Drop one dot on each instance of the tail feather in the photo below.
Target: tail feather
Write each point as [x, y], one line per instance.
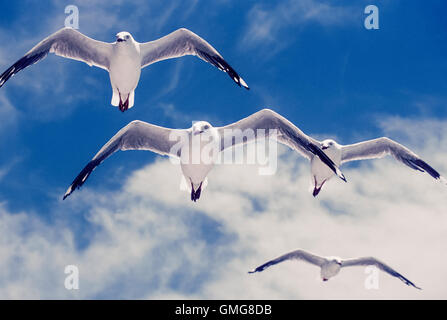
[131, 99]
[115, 99]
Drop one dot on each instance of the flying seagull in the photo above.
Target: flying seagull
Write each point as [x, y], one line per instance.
[124, 58]
[186, 144]
[340, 154]
[371, 149]
[330, 266]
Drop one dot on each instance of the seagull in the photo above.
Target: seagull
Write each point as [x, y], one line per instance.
[371, 149]
[330, 266]
[124, 58]
[202, 138]
[340, 154]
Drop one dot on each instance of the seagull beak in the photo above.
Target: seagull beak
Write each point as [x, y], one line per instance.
[119, 40]
[324, 147]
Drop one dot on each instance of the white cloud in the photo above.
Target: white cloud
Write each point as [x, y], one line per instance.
[6, 167]
[148, 240]
[174, 76]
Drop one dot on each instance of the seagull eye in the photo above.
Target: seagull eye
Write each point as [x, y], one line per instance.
[127, 37]
[206, 127]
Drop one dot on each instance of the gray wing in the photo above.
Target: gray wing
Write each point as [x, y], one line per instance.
[381, 147]
[297, 254]
[267, 121]
[137, 135]
[369, 261]
[185, 42]
[68, 43]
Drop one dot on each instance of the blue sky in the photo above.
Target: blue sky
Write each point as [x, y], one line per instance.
[336, 72]
[312, 61]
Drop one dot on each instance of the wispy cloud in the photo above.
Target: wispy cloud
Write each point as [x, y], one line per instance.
[9, 115]
[174, 80]
[267, 26]
[6, 168]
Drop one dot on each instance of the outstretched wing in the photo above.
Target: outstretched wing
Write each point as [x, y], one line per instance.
[297, 254]
[185, 42]
[267, 122]
[369, 261]
[137, 135]
[68, 43]
[381, 147]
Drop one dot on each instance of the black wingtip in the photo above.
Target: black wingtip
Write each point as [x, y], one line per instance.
[245, 87]
[81, 178]
[411, 284]
[421, 165]
[69, 191]
[255, 270]
[240, 81]
[406, 281]
[222, 65]
[259, 269]
[20, 65]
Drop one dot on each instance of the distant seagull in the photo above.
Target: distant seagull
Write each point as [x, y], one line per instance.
[124, 58]
[182, 143]
[330, 266]
[371, 149]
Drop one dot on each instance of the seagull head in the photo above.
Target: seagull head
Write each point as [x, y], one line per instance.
[329, 144]
[123, 36]
[200, 127]
[336, 260]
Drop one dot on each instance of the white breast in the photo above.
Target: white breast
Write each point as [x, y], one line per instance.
[125, 68]
[330, 269]
[199, 156]
[320, 170]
